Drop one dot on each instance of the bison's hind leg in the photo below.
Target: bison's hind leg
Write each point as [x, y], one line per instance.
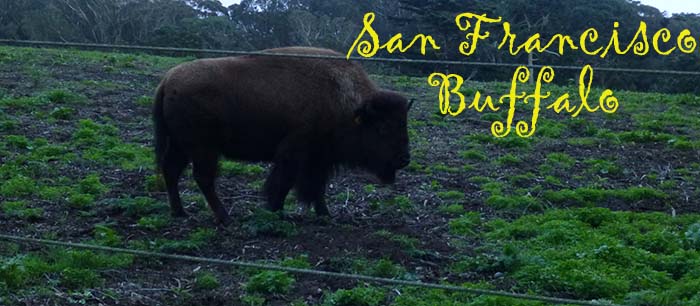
[204, 169]
[174, 162]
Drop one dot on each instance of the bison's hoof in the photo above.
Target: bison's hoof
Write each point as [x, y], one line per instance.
[322, 211]
[224, 220]
[324, 220]
[178, 214]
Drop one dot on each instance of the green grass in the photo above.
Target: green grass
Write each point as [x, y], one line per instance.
[154, 222]
[69, 269]
[358, 296]
[519, 203]
[81, 200]
[236, 168]
[593, 197]
[299, 262]
[18, 186]
[155, 183]
[440, 167]
[603, 167]
[139, 206]
[193, 242]
[60, 96]
[451, 195]
[383, 267]
[453, 209]
[100, 144]
[62, 113]
[473, 155]
[466, 225]
[408, 244]
[560, 161]
[509, 160]
[429, 297]
[511, 141]
[398, 203]
[144, 101]
[598, 254]
[206, 281]
[20, 209]
[92, 185]
[270, 282]
[22, 103]
[105, 235]
[266, 223]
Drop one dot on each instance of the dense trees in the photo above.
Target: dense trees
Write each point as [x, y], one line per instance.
[258, 24]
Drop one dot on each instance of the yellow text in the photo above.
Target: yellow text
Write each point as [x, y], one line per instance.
[451, 84]
[369, 47]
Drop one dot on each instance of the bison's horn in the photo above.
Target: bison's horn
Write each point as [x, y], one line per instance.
[410, 104]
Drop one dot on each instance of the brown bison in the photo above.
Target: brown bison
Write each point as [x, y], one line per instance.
[307, 116]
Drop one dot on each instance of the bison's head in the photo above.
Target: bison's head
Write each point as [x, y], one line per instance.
[382, 135]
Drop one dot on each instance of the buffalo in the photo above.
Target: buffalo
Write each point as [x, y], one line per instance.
[307, 115]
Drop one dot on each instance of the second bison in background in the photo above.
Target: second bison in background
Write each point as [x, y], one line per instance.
[306, 115]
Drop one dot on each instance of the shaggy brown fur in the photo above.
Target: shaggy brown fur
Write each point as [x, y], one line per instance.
[305, 115]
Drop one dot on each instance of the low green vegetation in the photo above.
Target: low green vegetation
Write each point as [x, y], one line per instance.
[264, 222]
[20, 209]
[235, 168]
[592, 197]
[465, 225]
[206, 281]
[594, 253]
[270, 282]
[358, 296]
[71, 269]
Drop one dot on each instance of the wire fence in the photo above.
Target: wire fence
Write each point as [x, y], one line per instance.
[355, 58]
[356, 277]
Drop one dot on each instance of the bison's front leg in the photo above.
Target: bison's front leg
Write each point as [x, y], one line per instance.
[278, 184]
[311, 186]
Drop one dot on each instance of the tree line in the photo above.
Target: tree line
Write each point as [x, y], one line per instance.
[260, 24]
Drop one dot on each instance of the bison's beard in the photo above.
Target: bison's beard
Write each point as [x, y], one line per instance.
[385, 173]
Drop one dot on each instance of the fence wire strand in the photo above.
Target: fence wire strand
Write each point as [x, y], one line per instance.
[355, 58]
[244, 264]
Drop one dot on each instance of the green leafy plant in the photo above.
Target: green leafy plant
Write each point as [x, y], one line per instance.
[264, 222]
[465, 225]
[206, 281]
[270, 282]
[358, 296]
[19, 209]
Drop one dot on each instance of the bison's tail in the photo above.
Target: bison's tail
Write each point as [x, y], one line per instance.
[162, 139]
